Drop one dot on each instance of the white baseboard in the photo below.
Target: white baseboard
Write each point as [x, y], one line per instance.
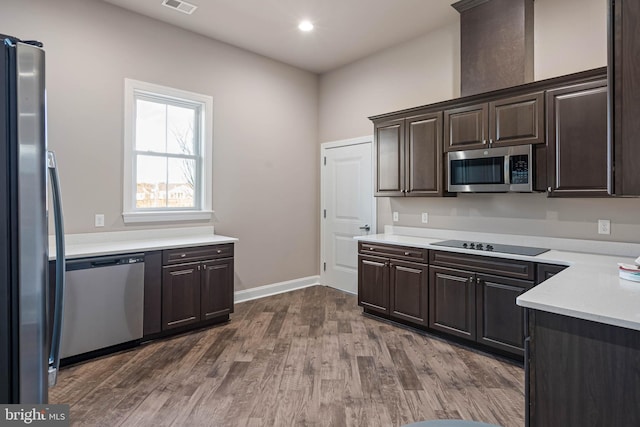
[275, 288]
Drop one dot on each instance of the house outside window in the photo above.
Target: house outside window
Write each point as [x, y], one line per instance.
[167, 154]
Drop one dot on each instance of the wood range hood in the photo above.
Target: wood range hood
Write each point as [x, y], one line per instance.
[496, 44]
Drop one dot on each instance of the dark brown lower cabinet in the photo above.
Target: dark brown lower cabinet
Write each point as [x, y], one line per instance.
[478, 307]
[468, 296]
[581, 373]
[216, 288]
[180, 295]
[197, 285]
[395, 288]
[468, 303]
[499, 321]
[408, 287]
[452, 306]
[373, 284]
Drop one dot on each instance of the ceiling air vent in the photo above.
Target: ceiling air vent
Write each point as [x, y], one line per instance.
[180, 6]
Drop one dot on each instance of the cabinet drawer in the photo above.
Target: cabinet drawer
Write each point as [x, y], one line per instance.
[484, 264]
[201, 253]
[391, 251]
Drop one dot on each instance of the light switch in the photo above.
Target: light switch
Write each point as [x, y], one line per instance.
[396, 217]
[425, 217]
[99, 220]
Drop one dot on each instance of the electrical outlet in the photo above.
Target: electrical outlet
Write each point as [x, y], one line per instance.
[99, 220]
[396, 217]
[604, 226]
[425, 218]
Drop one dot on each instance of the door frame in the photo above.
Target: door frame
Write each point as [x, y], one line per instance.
[374, 221]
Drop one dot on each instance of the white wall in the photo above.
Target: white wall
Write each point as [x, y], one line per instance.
[265, 169]
[422, 71]
[570, 36]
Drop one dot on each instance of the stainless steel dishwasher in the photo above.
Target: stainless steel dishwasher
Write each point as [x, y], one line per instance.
[103, 303]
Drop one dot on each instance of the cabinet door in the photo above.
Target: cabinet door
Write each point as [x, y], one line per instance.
[624, 46]
[545, 271]
[389, 152]
[409, 296]
[465, 128]
[500, 322]
[424, 155]
[577, 138]
[216, 288]
[373, 283]
[452, 307]
[517, 120]
[180, 295]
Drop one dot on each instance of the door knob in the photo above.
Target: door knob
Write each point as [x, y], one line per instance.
[365, 227]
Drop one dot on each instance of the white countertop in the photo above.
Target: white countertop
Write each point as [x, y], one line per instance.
[121, 242]
[588, 289]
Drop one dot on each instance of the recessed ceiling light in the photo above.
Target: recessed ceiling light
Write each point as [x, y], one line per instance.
[305, 26]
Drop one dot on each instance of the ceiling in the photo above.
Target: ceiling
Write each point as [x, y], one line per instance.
[345, 30]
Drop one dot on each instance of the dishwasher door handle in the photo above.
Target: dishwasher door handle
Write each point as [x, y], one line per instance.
[105, 263]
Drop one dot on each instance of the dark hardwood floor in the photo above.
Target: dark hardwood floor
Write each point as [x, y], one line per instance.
[303, 358]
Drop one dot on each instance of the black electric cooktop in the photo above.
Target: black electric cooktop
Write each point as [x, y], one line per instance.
[492, 247]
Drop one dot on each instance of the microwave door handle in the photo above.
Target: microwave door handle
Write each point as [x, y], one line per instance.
[507, 168]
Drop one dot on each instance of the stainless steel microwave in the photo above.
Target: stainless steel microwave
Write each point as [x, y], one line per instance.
[491, 170]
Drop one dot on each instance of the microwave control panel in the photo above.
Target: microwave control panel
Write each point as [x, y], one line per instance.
[519, 168]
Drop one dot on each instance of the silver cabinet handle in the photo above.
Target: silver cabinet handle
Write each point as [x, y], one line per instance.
[219, 251]
[183, 255]
[407, 253]
[549, 189]
[366, 228]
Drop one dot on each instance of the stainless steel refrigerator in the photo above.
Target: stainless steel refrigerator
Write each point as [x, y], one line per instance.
[30, 312]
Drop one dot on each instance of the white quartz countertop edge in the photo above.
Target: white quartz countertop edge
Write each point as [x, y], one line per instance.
[99, 244]
[588, 289]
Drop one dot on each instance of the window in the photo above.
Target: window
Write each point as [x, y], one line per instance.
[167, 154]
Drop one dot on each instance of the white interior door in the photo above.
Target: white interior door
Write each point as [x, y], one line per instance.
[348, 209]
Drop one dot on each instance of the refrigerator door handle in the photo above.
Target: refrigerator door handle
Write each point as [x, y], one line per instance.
[54, 354]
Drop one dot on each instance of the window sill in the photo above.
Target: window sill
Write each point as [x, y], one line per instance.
[140, 217]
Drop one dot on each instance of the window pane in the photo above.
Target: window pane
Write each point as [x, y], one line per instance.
[182, 179]
[151, 188]
[180, 126]
[151, 118]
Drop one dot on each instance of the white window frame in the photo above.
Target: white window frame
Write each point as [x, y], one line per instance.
[130, 213]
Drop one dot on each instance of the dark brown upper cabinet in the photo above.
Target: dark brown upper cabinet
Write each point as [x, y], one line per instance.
[624, 63]
[409, 156]
[577, 163]
[466, 127]
[514, 120]
[390, 147]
